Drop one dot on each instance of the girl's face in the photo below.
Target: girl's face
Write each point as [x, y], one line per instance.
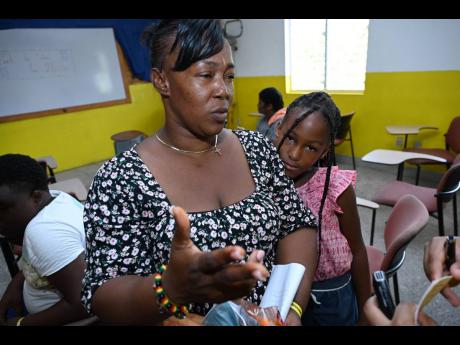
[305, 144]
[199, 97]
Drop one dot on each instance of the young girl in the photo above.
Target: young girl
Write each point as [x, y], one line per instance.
[304, 139]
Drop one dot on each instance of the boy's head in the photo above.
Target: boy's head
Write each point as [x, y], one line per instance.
[270, 101]
[307, 132]
[23, 193]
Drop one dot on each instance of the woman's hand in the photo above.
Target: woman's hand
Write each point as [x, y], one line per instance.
[434, 265]
[404, 315]
[194, 276]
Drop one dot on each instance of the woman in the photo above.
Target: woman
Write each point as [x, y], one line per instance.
[231, 184]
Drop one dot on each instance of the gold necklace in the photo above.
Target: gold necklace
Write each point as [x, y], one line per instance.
[214, 148]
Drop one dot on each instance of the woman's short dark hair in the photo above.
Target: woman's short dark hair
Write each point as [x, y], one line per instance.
[272, 96]
[22, 173]
[197, 39]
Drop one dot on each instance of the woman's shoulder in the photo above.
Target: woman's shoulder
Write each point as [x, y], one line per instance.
[254, 140]
[125, 163]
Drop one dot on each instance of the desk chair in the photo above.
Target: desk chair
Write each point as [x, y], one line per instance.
[72, 186]
[123, 141]
[433, 198]
[372, 206]
[452, 147]
[343, 131]
[408, 217]
[48, 163]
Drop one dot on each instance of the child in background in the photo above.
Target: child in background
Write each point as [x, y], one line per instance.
[341, 284]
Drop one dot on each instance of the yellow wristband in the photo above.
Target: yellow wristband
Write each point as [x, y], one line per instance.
[297, 308]
[18, 323]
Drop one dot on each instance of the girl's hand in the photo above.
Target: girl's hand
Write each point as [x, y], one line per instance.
[292, 319]
[434, 265]
[194, 276]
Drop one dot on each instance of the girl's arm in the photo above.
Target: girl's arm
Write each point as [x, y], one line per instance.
[351, 229]
[300, 247]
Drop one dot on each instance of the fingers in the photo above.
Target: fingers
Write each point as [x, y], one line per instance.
[240, 272]
[211, 262]
[374, 314]
[450, 295]
[181, 237]
[425, 320]
[257, 256]
[434, 257]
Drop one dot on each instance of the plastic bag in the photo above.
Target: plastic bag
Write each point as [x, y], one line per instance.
[243, 314]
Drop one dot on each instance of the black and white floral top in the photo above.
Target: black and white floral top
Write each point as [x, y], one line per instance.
[129, 227]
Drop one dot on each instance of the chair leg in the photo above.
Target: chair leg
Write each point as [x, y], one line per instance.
[372, 227]
[440, 217]
[417, 177]
[352, 150]
[396, 289]
[454, 203]
[400, 174]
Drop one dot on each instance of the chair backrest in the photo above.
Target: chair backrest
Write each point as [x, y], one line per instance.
[450, 181]
[344, 126]
[408, 217]
[453, 135]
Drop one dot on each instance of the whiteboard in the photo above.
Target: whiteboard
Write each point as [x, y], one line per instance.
[43, 69]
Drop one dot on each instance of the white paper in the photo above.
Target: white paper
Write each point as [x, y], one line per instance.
[282, 287]
[435, 287]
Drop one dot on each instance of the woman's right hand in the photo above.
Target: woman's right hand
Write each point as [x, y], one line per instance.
[434, 262]
[194, 276]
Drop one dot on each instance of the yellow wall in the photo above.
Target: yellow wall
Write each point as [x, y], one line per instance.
[79, 138]
[396, 98]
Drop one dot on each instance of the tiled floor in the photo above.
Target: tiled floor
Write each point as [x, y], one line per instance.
[412, 280]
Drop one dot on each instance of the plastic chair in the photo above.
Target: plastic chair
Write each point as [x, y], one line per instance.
[123, 141]
[433, 198]
[343, 131]
[372, 206]
[408, 217]
[452, 143]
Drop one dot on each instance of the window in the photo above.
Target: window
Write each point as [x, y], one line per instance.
[326, 54]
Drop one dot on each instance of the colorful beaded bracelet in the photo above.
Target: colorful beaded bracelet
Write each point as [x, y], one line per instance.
[179, 311]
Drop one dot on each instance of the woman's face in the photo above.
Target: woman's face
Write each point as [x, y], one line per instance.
[305, 144]
[199, 97]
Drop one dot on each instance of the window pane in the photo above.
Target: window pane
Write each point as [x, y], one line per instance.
[346, 54]
[307, 54]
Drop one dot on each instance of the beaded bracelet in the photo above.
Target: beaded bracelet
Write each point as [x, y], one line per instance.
[179, 311]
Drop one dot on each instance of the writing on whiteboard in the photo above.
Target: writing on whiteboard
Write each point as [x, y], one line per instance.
[33, 64]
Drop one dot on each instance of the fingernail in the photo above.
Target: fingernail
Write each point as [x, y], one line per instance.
[171, 210]
[236, 255]
[258, 275]
[260, 255]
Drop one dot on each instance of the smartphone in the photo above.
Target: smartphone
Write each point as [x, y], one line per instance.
[383, 293]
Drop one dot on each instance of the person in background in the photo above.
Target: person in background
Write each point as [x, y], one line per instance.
[49, 226]
[435, 268]
[271, 105]
[341, 284]
[236, 213]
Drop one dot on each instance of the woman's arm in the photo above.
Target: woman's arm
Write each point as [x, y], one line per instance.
[351, 229]
[192, 277]
[300, 247]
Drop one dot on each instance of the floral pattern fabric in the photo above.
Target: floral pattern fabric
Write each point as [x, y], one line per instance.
[129, 228]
